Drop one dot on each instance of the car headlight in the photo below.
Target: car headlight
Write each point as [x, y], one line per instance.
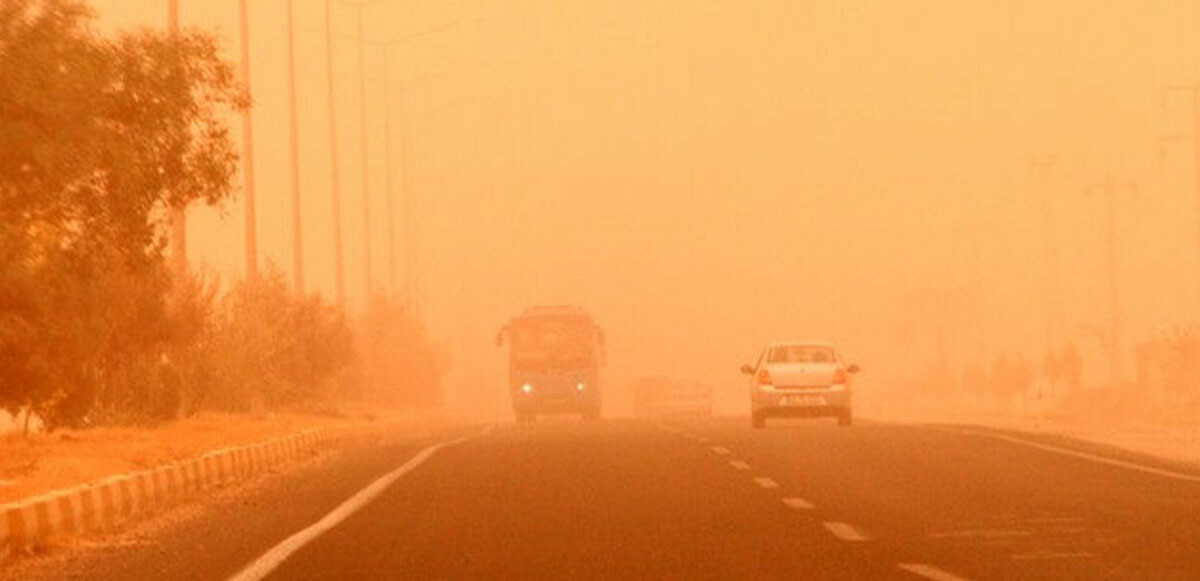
[579, 386]
[527, 388]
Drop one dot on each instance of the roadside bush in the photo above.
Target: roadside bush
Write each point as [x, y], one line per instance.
[269, 348]
[398, 363]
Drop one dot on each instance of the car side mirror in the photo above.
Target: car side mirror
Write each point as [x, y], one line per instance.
[747, 370]
[853, 368]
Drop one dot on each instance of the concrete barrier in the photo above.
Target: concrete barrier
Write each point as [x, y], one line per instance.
[30, 523]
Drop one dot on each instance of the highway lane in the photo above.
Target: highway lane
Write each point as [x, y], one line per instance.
[694, 499]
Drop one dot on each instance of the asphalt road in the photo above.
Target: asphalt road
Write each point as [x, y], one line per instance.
[711, 499]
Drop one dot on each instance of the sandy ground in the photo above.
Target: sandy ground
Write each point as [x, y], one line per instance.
[67, 458]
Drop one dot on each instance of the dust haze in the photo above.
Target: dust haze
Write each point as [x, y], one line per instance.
[706, 177]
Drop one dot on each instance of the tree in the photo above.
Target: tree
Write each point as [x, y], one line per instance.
[102, 138]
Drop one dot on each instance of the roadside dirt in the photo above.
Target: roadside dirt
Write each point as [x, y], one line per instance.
[46, 462]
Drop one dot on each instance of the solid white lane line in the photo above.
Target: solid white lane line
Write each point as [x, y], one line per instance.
[1082, 455]
[765, 482]
[271, 560]
[845, 532]
[720, 450]
[740, 465]
[929, 572]
[798, 503]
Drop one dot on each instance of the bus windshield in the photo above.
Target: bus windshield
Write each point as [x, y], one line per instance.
[547, 343]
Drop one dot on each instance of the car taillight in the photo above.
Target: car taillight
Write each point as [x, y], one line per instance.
[763, 377]
[839, 376]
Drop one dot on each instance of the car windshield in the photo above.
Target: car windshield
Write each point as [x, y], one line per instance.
[801, 354]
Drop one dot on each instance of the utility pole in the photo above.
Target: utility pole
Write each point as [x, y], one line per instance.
[178, 215]
[1116, 356]
[359, 6]
[1042, 164]
[294, 150]
[387, 164]
[366, 181]
[248, 148]
[1194, 136]
[334, 167]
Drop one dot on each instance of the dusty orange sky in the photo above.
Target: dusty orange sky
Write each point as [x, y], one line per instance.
[709, 176]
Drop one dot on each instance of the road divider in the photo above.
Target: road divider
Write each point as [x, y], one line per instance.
[31, 523]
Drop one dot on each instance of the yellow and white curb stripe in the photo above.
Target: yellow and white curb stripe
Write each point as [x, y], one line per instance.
[29, 523]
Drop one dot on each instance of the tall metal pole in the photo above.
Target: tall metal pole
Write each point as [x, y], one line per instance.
[335, 188]
[1041, 166]
[387, 164]
[1194, 137]
[1114, 333]
[248, 149]
[1116, 356]
[294, 147]
[406, 209]
[366, 184]
[178, 215]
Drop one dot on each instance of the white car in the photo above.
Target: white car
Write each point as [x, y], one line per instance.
[800, 379]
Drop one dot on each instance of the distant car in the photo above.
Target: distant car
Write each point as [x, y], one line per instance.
[661, 398]
[800, 379]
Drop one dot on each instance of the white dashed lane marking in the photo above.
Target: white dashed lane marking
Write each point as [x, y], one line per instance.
[740, 465]
[720, 450]
[930, 572]
[798, 503]
[1045, 555]
[845, 532]
[765, 482]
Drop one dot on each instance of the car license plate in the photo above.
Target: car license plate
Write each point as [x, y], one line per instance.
[803, 400]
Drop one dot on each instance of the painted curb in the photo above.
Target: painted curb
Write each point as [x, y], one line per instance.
[105, 504]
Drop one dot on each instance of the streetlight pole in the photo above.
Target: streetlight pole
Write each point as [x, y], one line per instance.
[1116, 359]
[334, 166]
[362, 91]
[1042, 164]
[294, 150]
[387, 165]
[1194, 136]
[366, 181]
[248, 148]
[178, 215]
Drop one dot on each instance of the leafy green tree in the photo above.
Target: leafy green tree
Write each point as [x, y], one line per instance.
[102, 138]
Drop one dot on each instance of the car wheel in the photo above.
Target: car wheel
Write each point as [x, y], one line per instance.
[758, 420]
[845, 417]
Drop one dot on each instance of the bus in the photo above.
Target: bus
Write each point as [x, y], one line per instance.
[554, 358]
